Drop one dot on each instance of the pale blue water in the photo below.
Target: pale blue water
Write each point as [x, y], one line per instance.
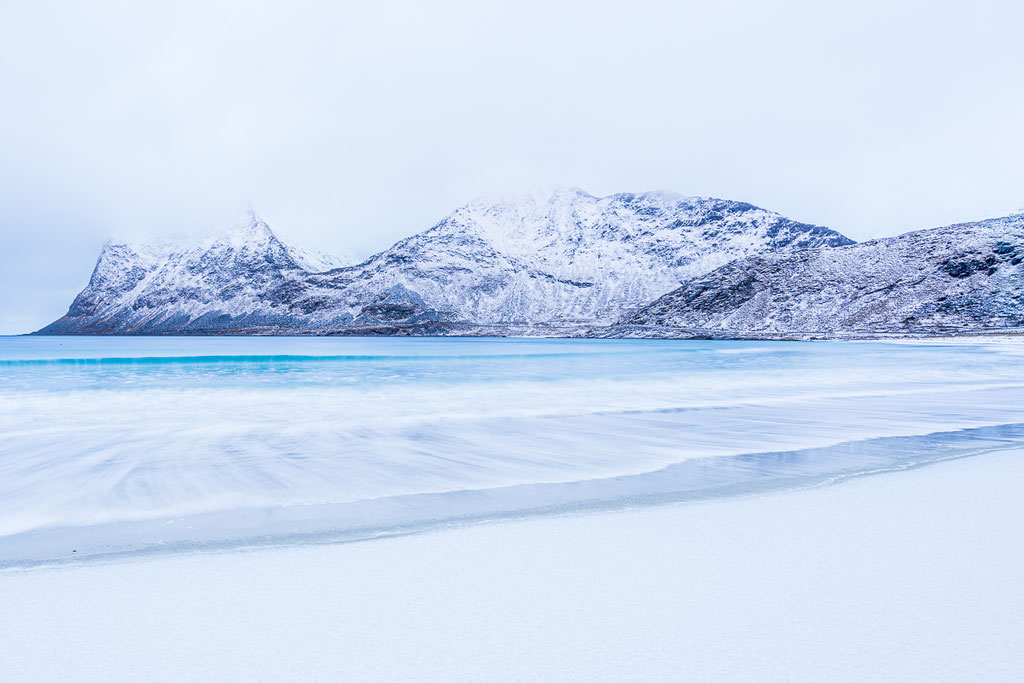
[114, 445]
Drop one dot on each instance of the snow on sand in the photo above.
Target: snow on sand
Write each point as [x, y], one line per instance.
[907, 576]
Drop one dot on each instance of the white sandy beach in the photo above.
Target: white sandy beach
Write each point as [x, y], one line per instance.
[913, 575]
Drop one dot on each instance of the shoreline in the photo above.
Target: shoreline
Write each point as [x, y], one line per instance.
[691, 480]
[902, 576]
[1009, 335]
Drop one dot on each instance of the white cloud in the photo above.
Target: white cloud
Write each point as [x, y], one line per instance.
[351, 125]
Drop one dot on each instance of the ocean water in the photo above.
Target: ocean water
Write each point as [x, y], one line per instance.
[112, 446]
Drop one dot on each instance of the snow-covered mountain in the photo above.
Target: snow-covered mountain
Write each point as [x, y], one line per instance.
[163, 287]
[566, 257]
[965, 276]
[558, 257]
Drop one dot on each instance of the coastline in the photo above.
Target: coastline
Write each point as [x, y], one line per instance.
[901, 576]
[441, 330]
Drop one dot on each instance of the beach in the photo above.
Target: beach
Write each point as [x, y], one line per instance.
[912, 575]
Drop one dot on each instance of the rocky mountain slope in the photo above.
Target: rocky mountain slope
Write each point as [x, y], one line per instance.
[159, 288]
[965, 276]
[560, 257]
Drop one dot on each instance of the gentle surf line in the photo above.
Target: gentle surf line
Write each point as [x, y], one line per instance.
[692, 480]
[293, 358]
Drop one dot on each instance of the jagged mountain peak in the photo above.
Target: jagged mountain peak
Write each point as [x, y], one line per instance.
[151, 249]
[253, 233]
[234, 263]
[564, 255]
[550, 219]
[548, 200]
[256, 234]
[559, 203]
[253, 240]
[553, 256]
[542, 196]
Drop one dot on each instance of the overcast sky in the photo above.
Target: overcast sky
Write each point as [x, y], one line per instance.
[350, 125]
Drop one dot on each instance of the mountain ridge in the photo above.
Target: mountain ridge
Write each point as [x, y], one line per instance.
[554, 257]
[965, 276]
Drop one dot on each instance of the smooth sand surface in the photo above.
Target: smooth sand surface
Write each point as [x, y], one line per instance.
[916, 575]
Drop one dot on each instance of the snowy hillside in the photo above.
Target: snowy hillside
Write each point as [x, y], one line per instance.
[564, 256]
[160, 288]
[965, 276]
[558, 257]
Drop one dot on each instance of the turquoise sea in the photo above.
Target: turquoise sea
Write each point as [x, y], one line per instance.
[115, 445]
